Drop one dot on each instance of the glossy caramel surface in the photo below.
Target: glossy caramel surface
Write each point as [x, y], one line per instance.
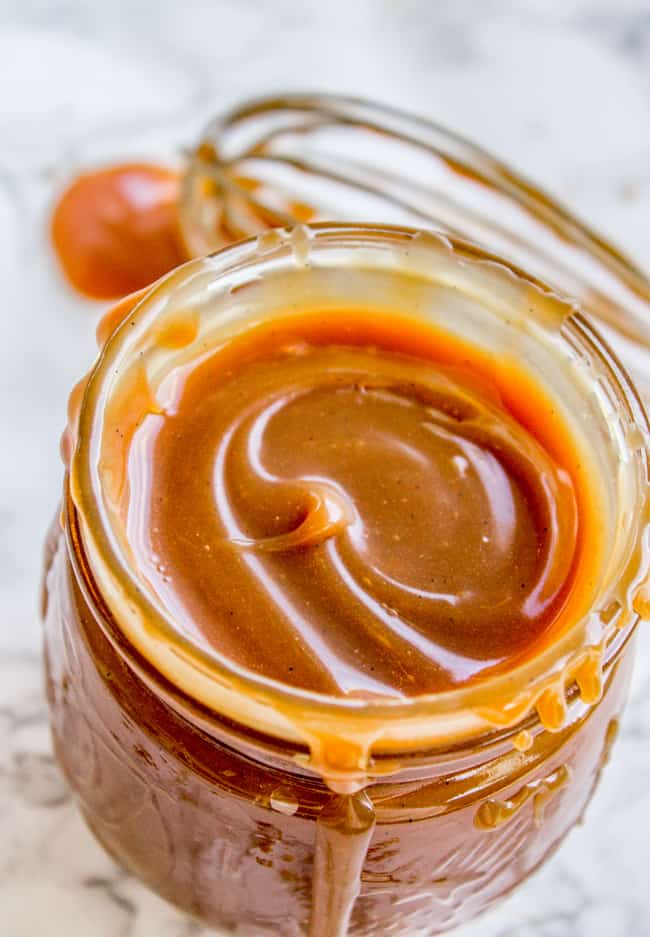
[356, 505]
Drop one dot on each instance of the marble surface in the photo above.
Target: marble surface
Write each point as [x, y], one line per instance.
[561, 88]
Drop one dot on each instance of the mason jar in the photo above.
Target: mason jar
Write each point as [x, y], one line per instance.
[273, 810]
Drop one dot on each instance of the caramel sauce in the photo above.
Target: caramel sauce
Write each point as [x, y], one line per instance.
[115, 230]
[343, 833]
[298, 497]
[354, 505]
[523, 741]
[494, 813]
[358, 505]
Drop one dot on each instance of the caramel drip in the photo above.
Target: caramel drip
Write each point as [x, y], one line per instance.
[300, 239]
[133, 401]
[611, 735]
[180, 332]
[269, 241]
[552, 708]
[494, 813]
[343, 833]
[589, 676]
[642, 601]
[585, 669]
[107, 325]
[116, 315]
[69, 435]
[523, 741]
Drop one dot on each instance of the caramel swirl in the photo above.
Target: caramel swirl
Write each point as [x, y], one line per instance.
[350, 518]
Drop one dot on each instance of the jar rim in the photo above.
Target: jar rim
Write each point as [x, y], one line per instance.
[361, 722]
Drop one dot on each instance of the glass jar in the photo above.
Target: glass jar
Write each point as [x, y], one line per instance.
[276, 811]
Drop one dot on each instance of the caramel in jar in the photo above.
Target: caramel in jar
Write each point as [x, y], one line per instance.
[336, 633]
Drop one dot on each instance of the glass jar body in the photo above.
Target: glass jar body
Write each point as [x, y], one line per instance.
[231, 837]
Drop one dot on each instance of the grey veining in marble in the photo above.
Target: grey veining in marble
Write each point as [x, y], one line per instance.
[560, 88]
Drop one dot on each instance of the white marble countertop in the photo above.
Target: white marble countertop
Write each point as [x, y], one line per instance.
[561, 88]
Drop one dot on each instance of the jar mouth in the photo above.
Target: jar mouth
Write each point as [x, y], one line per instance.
[214, 287]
